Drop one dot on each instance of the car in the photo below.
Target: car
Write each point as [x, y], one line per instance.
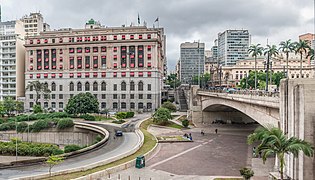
[118, 133]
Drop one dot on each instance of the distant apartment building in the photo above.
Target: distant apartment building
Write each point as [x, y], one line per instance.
[232, 46]
[34, 24]
[11, 59]
[121, 66]
[192, 59]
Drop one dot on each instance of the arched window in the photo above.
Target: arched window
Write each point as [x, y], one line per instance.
[103, 105]
[140, 86]
[53, 86]
[79, 86]
[123, 86]
[132, 86]
[132, 105]
[140, 105]
[95, 86]
[71, 87]
[87, 86]
[115, 105]
[103, 86]
[123, 105]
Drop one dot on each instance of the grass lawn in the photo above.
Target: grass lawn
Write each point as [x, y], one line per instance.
[102, 118]
[174, 125]
[149, 143]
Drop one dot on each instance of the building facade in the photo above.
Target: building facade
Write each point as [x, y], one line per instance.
[34, 24]
[233, 46]
[232, 75]
[122, 67]
[310, 38]
[11, 58]
[192, 59]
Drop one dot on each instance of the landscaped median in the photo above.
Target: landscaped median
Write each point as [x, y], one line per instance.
[148, 148]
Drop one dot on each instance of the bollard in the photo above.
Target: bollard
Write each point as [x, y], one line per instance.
[108, 176]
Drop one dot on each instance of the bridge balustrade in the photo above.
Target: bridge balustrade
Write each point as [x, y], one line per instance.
[243, 92]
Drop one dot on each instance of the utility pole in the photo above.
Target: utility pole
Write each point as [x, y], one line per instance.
[267, 69]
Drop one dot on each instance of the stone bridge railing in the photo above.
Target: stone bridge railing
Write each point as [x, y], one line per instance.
[245, 92]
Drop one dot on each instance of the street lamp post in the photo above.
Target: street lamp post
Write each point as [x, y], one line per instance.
[220, 70]
[267, 70]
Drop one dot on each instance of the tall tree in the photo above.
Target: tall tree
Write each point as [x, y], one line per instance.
[301, 47]
[270, 51]
[274, 141]
[310, 54]
[173, 81]
[40, 88]
[287, 47]
[255, 50]
[82, 103]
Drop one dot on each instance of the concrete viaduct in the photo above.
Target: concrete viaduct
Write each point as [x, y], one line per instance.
[292, 110]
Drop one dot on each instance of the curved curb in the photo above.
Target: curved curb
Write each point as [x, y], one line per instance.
[90, 127]
[125, 165]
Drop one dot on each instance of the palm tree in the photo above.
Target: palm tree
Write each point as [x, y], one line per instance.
[255, 50]
[40, 88]
[287, 47]
[310, 54]
[273, 141]
[301, 47]
[270, 51]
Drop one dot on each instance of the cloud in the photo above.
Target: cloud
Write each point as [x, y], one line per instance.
[184, 20]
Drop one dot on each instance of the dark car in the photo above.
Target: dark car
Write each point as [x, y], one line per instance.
[118, 133]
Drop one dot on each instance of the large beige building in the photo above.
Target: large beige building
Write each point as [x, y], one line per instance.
[34, 24]
[122, 66]
[232, 75]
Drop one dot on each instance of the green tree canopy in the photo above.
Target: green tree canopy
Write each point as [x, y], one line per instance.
[161, 116]
[82, 103]
[9, 105]
[274, 141]
[170, 106]
[204, 79]
[172, 80]
[261, 79]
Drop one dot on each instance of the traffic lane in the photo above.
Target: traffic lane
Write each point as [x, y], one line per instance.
[113, 147]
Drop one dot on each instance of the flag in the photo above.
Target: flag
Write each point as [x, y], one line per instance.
[157, 19]
[138, 19]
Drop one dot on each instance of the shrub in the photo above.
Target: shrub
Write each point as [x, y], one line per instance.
[247, 173]
[40, 125]
[185, 123]
[121, 115]
[22, 127]
[170, 106]
[130, 114]
[37, 109]
[65, 123]
[58, 115]
[98, 138]
[161, 116]
[71, 148]
[7, 126]
[87, 117]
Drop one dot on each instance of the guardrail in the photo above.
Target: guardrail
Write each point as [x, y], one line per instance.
[244, 92]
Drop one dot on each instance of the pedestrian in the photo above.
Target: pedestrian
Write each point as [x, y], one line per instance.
[254, 151]
[190, 137]
[216, 131]
[202, 133]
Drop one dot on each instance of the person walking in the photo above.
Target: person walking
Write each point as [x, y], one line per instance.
[216, 131]
[202, 133]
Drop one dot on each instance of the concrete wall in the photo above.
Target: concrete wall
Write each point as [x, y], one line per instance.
[237, 117]
[298, 119]
[82, 138]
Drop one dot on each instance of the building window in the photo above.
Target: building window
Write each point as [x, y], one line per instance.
[95, 95]
[45, 104]
[140, 105]
[53, 96]
[103, 96]
[87, 61]
[149, 87]
[31, 104]
[123, 86]
[123, 96]
[140, 86]
[140, 96]
[132, 86]
[71, 87]
[61, 105]
[103, 49]
[103, 105]
[60, 96]
[53, 86]
[79, 86]
[87, 86]
[31, 96]
[115, 87]
[53, 104]
[115, 105]
[115, 96]
[132, 105]
[148, 96]
[60, 88]
[149, 105]
[71, 95]
[103, 86]
[95, 86]
[132, 96]
[95, 49]
[123, 105]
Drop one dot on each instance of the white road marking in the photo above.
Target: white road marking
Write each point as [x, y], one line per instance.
[179, 154]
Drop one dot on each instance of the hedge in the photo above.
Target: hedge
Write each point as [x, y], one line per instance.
[29, 149]
[124, 115]
[22, 127]
[88, 117]
[65, 123]
[7, 126]
[71, 148]
[38, 116]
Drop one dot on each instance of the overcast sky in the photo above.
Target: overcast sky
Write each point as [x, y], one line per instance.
[183, 20]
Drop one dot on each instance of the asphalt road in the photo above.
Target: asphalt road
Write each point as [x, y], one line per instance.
[113, 147]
